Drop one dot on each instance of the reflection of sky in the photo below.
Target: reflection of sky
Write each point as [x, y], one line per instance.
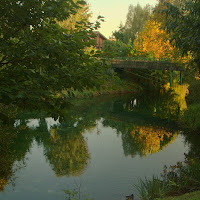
[114, 12]
[34, 123]
[51, 122]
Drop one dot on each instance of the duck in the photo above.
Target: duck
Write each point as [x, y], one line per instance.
[130, 197]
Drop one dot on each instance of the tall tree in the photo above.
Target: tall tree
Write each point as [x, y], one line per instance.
[183, 25]
[135, 21]
[38, 57]
[154, 41]
[82, 14]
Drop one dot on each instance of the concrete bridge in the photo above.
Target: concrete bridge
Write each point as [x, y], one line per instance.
[149, 64]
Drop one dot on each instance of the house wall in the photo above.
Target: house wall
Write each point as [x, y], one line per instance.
[99, 41]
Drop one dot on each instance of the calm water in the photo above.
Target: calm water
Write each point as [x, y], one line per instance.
[102, 150]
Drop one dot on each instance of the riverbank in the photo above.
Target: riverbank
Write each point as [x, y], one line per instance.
[183, 177]
[187, 196]
[110, 87]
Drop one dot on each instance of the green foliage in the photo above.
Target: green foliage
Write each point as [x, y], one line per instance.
[183, 23]
[183, 177]
[38, 57]
[82, 14]
[75, 195]
[135, 21]
[113, 49]
[7, 113]
[194, 94]
[176, 180]
[187, 196]
[151, 189]
[191, 116]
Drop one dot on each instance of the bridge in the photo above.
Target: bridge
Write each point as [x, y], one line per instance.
[147, 63]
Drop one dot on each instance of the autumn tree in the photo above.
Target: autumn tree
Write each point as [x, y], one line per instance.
[183, 25]
[154, 41]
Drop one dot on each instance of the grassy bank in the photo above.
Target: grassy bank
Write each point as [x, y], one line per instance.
[112, 86]
[187, 196]
[175, 181]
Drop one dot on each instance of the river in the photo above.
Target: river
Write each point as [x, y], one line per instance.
[102, 150]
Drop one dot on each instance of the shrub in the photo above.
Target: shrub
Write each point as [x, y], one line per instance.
[151, 189]
[191, 117]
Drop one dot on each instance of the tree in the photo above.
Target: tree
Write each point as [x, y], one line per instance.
[154, 41]
[82, 14]
[183, 25]
[121, 33]
[39, 58]
[135, 20]
[117, 49]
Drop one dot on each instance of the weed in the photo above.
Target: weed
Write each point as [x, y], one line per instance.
[151, 189]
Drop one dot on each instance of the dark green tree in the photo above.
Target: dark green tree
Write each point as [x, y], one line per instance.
[39, 58]
[121, 34]
[182, 21]
[117, 49]
[82, 13]
[135, 20]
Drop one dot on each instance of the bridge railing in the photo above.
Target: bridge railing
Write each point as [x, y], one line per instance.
[162, 64]
[142, 59]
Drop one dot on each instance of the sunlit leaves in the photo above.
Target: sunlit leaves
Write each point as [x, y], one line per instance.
[154, 41]
[183, 22]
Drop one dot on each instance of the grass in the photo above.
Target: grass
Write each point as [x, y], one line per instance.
[187, 196]
[151, 188]
[175, 180]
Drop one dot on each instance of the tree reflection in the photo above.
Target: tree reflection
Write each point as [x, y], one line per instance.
[14, 144]
[6, 162]
[152, 139]
[142, 122]
[67, 153]
[147, 123]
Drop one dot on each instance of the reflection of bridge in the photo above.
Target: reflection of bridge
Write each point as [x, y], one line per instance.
[160, 64]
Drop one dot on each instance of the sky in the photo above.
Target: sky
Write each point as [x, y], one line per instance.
[114, 12]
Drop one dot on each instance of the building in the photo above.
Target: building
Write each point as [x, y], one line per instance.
[100, 38]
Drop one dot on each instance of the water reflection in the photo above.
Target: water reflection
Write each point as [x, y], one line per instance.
[145, 123]
[13, 148]
[152, 139]
[67, 153]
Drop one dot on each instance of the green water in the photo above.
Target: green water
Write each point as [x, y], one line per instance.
[102, 149]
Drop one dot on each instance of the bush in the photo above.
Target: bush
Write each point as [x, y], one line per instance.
[151, 189]
[175, 180]
[191, 117]
[194, 94]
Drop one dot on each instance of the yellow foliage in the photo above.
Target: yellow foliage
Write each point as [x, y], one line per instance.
[82, 13]
[68, 154]
[154, 41]
[3, 182]
[181, 92]
[149, 138]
